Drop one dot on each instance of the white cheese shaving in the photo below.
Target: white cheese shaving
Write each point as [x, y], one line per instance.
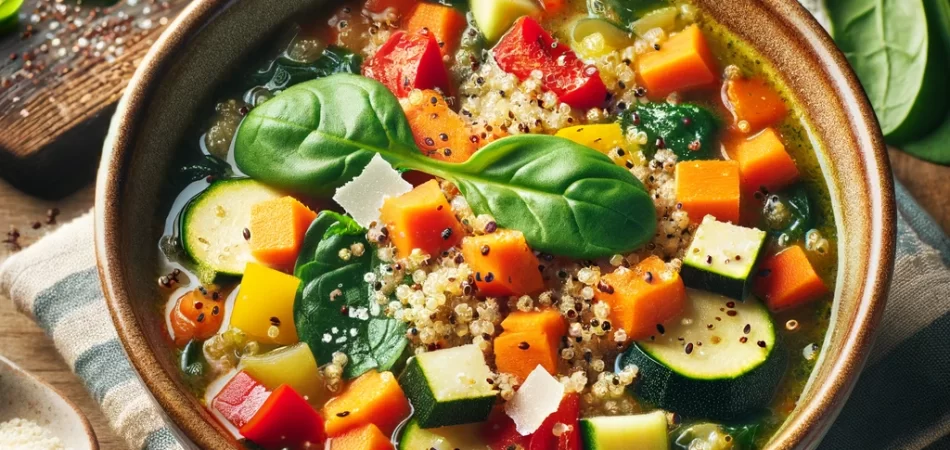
[536, 399]
[364, 195]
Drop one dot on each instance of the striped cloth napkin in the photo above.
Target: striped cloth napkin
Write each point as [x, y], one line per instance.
[902, 400]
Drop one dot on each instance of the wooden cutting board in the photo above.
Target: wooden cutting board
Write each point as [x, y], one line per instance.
[61, 74]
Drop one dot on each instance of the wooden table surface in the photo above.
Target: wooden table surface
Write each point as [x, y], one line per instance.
[27, 345]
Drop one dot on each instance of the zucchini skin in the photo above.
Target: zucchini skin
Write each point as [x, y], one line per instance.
[429, 413]
[716, 399]
[713, 282]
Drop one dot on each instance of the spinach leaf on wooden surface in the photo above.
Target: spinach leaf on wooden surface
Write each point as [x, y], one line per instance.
[566, 198]
[934, 147]
[890, 50]
[335, 309]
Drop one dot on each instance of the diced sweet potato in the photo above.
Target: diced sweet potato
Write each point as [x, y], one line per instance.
[787, 280]
[547, 320]
[366, 437]
[423, 219]
[764, 163]
[754, 101]
[642, 297]
[709, 187]
[438, 131]
[518, 353]
[444, 22]
[373, 398]
[277, 230]
[503, 264]
[684, 62]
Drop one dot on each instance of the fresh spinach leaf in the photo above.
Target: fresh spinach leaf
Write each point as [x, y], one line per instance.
[934, 147]
[688, 130]
[888, 45]
[335, 309]
[566, 198]
[283, 72]
[789, 213]
[318, 135]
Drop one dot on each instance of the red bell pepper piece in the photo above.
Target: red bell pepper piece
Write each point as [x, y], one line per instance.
[285, 420]
[527, 47]
[409, 61]
[240, 399]
[567, 413]
[502, 432]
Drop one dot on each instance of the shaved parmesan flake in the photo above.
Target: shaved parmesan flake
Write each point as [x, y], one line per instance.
[364, 196]
[535, 400]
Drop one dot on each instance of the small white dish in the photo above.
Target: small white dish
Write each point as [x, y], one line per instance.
[25, 396]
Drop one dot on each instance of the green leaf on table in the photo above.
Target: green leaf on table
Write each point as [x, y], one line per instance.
[566, 198]
[934, 147]
[893, 56]
[335, 309]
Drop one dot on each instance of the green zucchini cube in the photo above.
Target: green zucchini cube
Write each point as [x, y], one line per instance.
[721, 258]
[449, 387]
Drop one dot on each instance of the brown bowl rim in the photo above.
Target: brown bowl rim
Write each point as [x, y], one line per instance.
[804, 430]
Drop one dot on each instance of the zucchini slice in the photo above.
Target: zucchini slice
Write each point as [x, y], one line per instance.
[449, 387]
[721, 257]
[213, 224]
[722, 360]
[458, 437]
[640, 431]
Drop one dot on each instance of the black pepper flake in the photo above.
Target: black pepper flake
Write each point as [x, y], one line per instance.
[447, 152]
[761, 344]
[486, 249]
[730, 304]
[490, 277]
[605, 325]
[429, 141]
[731, 313]
[201, 317]
[414, 331]
[689, 348]
[524, 345]
[446, 234]
[478, 276]
[588, 356]
[747, 329]
[215, 311]
[743, 339]
[342, 413]
[648, 277]
[444, 137]
[275, 321]
[490, 227]
[708, 259]
[660, 328]
[247, 234]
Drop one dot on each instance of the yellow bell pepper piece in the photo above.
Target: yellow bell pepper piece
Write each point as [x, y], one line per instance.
[264, 308]
[294, 366]
[607, 138]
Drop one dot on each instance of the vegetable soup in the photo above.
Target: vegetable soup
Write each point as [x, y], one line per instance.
[504, 224]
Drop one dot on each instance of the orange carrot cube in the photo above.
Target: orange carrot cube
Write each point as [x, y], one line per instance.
[445, 22]
[754, 101]
[519, 353]
[421, 218]
[439, 132]
[277, 230]
[764, 163]
[366, 437]
[709, 187]
[642, 297]
[373, 398]
[787, 279]
[684, 62]
[547, 320]
[503, 264]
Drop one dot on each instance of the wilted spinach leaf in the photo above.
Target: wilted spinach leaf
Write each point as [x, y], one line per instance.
[208, 166]
[192, 360]
[688, 130]
[626, 11]
[284, 72]
[789, 212]
[335, 310]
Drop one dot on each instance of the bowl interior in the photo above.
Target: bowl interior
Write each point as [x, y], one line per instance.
[200, 49]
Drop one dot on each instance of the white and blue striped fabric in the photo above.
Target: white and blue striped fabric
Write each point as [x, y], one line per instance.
[902, 400]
